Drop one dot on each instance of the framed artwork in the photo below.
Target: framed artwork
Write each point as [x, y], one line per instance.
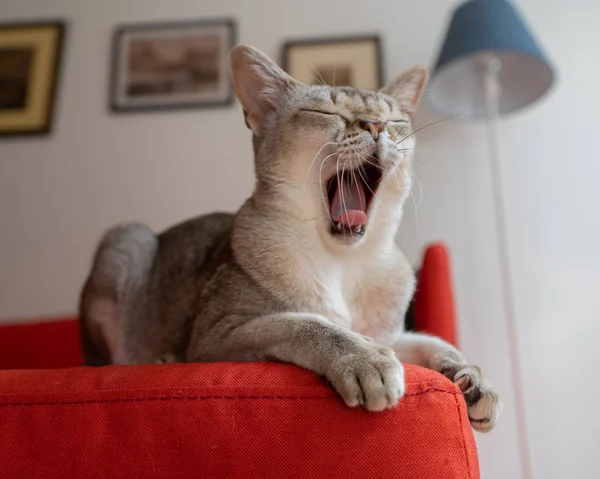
[30, 55]
[352, 61]
[171, 65]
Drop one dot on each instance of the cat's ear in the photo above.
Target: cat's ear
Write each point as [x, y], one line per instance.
[259, 83]
[408, 88]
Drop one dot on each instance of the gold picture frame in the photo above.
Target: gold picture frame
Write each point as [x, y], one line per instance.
[173, 65]
[30, 56]
[347, 61]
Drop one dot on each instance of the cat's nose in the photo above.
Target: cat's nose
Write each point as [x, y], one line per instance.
[373, 127]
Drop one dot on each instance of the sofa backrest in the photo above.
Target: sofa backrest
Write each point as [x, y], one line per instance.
[44, 345]
[56, 343]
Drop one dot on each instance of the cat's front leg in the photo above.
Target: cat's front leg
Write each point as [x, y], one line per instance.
[483, 403]
[363, 372]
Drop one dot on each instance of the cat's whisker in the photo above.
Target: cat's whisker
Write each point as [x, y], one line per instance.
[341, 191]
[371, 163]
[375, 197]
[320, 78]
[426, 126]
[394, 175]
[320, 179]
[409, 122]
[414, 174]
[325, 203]
[355, 179]
[364, 159]
[361, 228]
[344, 209]
[315, 159]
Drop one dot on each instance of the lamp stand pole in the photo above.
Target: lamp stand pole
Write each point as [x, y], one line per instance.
[493, 91]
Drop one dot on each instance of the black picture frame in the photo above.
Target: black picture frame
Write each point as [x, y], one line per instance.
[121, 31]
[326, 41]
[45, 126]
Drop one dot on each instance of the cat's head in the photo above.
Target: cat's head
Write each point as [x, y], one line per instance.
[338, 156]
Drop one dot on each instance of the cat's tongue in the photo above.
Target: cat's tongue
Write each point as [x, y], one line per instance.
[349, 204]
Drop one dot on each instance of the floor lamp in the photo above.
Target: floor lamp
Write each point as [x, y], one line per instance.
[490, 65]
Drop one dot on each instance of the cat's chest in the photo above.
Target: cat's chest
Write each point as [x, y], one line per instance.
[361, 297]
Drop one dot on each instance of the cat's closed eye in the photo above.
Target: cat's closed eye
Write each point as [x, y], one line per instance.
[396, 126]
[397, 122]
[321, 112]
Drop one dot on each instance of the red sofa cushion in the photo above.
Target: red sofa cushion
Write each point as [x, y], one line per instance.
[225, 420]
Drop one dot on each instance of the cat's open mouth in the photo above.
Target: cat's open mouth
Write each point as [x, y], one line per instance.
[350, 196]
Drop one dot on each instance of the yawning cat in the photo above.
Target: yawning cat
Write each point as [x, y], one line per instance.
[306, 272]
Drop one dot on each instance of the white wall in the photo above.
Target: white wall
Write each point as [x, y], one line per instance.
[57, 195]
[552, 166]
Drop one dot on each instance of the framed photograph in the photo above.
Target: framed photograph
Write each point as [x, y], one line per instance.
[172, 65]
[352, 61]
[30, 55]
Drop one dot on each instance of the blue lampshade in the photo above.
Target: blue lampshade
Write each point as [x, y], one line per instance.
[481, 30]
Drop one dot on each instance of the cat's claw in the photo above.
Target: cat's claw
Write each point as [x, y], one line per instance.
[483, 403]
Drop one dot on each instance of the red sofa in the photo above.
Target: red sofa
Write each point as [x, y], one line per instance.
[220, 420]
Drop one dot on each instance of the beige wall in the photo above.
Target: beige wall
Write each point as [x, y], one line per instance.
[57, 195]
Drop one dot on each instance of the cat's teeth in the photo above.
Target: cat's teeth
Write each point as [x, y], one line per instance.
[355, 229]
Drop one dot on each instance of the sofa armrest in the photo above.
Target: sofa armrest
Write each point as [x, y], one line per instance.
[225, 420]
[434, 298]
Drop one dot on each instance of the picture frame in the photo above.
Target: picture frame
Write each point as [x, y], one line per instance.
[172, 65]
[346, 61]
[30, 61]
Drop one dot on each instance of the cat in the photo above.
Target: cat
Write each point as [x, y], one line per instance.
[306, 272]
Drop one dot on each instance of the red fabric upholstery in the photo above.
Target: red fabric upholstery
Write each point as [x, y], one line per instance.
[47, 345]
[225, 420]
[434, 301]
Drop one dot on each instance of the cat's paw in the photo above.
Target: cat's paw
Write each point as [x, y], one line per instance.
[369, 375]
[483, 403]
